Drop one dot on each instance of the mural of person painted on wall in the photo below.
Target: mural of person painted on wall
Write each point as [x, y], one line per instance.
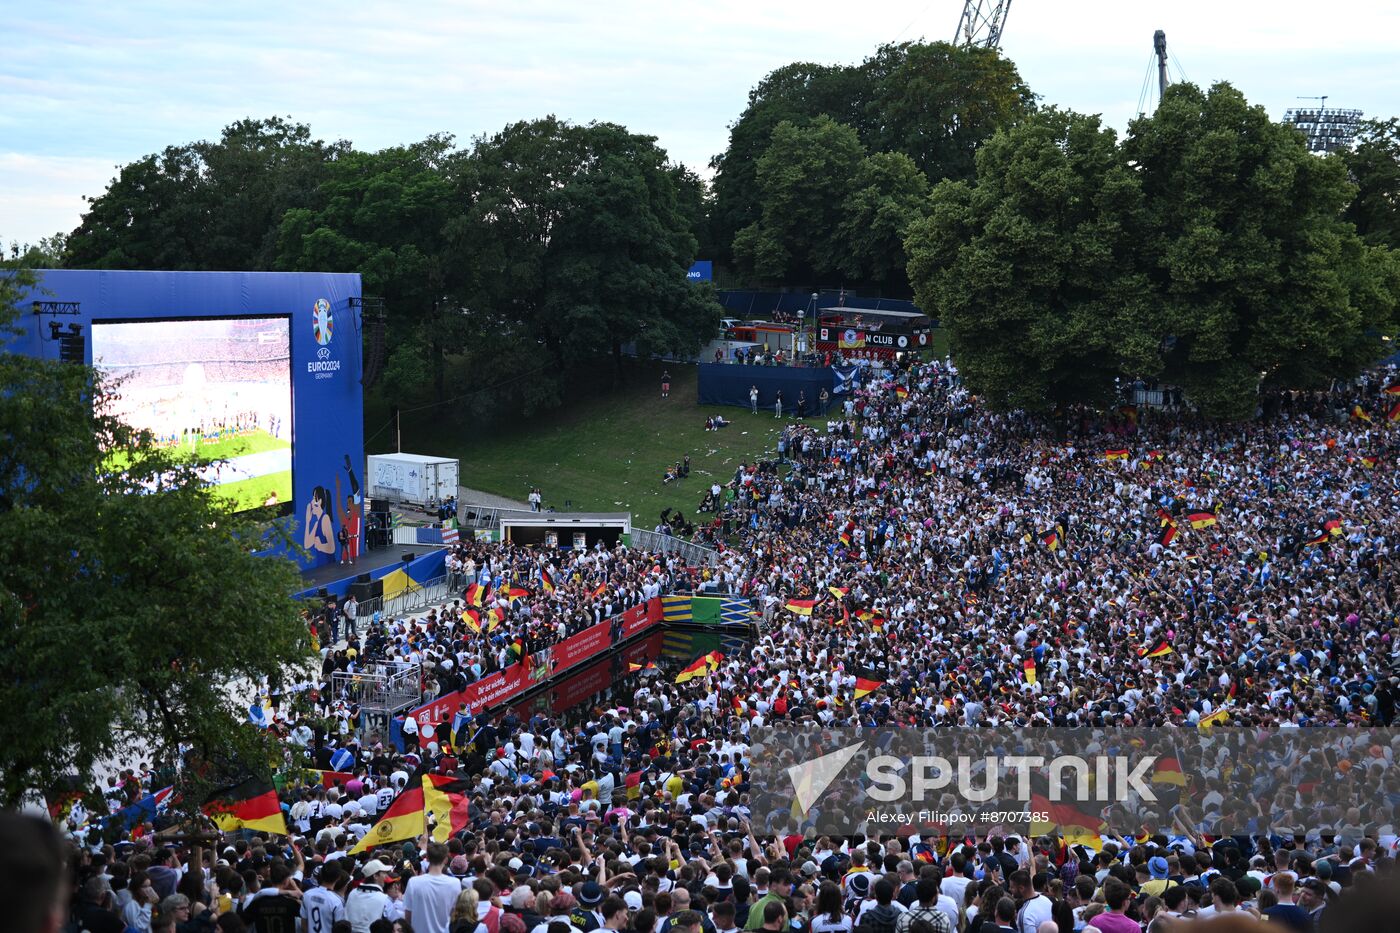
[318, 532]
[350, 518]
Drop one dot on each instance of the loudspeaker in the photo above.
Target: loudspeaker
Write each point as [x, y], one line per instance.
[408, 556]
[363, 589]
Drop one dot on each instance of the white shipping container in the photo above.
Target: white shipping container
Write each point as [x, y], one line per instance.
[411, 478]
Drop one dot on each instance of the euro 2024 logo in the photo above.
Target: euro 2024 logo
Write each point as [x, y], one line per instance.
[322, 323]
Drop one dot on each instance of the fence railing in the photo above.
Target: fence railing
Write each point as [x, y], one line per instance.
[381, 687]
[413, 598]
[694, 554]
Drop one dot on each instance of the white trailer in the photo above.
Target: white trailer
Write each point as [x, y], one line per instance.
[411, 478]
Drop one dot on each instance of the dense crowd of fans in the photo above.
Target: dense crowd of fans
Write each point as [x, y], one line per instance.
[1128, 568]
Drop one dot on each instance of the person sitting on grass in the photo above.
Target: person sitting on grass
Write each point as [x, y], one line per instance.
[673, 473]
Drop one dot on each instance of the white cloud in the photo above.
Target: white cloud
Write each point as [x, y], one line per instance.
[94, 84]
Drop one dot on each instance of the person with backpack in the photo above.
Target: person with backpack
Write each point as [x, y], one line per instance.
[884, 916]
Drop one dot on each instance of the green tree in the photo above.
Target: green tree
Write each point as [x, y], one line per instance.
[204, 205]
[804, 179]
[794, 93]
[1208, 249]
[46, 254]
[1375, 170]
[888, 194]
[1032, 270]
[132, 608]
[387, 215]
[933, 102]
[1258, 279]
[582, 235]
[937, 102]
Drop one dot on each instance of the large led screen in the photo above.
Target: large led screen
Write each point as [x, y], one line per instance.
[217, 387]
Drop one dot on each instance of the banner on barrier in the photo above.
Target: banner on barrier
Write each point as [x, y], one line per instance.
[578, 648]
[498, 688]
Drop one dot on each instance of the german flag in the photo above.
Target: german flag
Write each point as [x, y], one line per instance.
[838, 591]
[1201, 520]
[546, 580]
[1359, 414]
[1028, 667]
[1369, 462]
[1217, 718]
[633, 784]
[876, 622]
[802, 607]
[1158, 649]
[475, 595]
[1333, 526]
[845, 539]
[249, 804]
[866, 686]
[493, 619]
[1319, 539]
[1151, 457]
[403, 819]
[1393, 389]
[1169, 772]
[1051, 539]
[1394, 414]
[702, 666]
[1117, 453]
[598, 591]
[472, 619]
[446, 798]
[633, 667]
[514, 593]
[1168, 533]
[1067, 820]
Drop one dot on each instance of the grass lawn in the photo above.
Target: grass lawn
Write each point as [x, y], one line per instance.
[608, 452]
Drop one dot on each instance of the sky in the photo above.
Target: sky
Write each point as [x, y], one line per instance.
[87, 87]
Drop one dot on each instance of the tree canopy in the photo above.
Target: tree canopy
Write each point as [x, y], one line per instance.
[1207, 249]
[535, 250]
[932, 102]
[1374, 166]
[132, 606]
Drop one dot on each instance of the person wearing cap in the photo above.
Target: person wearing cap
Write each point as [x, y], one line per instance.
[1160, 870]
[429, 898]
[1312, 897]
[589, 917]
[368, 902]
[561, 908]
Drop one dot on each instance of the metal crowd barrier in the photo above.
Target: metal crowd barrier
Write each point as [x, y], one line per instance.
[694, 554]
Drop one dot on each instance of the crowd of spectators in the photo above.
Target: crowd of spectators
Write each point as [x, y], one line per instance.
[1151, 569]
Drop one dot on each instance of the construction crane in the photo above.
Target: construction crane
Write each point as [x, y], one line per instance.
[982, 23]
[1159, 46]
